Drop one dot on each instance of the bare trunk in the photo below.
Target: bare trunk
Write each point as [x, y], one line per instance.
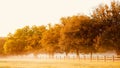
[66, 55]
[91, 53]
[35, 55]
[77, 52]
[51, 55]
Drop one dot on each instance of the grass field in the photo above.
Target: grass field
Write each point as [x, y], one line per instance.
[50, 63]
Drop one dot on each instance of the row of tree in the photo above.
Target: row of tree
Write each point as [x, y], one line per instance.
[99, 32]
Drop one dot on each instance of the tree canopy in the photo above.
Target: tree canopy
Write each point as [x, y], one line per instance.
[99, 32]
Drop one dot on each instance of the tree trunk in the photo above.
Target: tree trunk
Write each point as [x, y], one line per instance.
[91, 53]
[35, 55]
[66, 55]
[77, 52]
[51, 55]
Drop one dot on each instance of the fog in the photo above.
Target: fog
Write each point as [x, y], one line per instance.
[58, 56]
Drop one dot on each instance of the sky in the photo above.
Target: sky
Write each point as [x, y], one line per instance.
[16, 14]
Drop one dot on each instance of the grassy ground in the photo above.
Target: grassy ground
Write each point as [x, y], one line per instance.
[49, 63]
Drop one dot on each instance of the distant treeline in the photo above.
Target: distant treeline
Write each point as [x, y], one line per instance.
[99, 32]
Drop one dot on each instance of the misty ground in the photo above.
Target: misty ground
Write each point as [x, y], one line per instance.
[56, 63]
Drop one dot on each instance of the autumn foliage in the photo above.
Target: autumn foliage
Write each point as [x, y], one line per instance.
[99, 32]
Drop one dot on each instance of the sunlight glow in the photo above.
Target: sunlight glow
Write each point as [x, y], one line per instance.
[15, 14]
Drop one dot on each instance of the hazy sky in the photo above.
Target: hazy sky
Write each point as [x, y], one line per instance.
[16, 14]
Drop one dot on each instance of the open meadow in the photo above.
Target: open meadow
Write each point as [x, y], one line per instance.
[56, 63]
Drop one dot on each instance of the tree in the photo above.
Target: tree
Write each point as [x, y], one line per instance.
[50, 39]
[34, 39]
[107, 18]
[15, 43]
[25, 40]
[76, 34]
[2, 42]
[110, 39]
